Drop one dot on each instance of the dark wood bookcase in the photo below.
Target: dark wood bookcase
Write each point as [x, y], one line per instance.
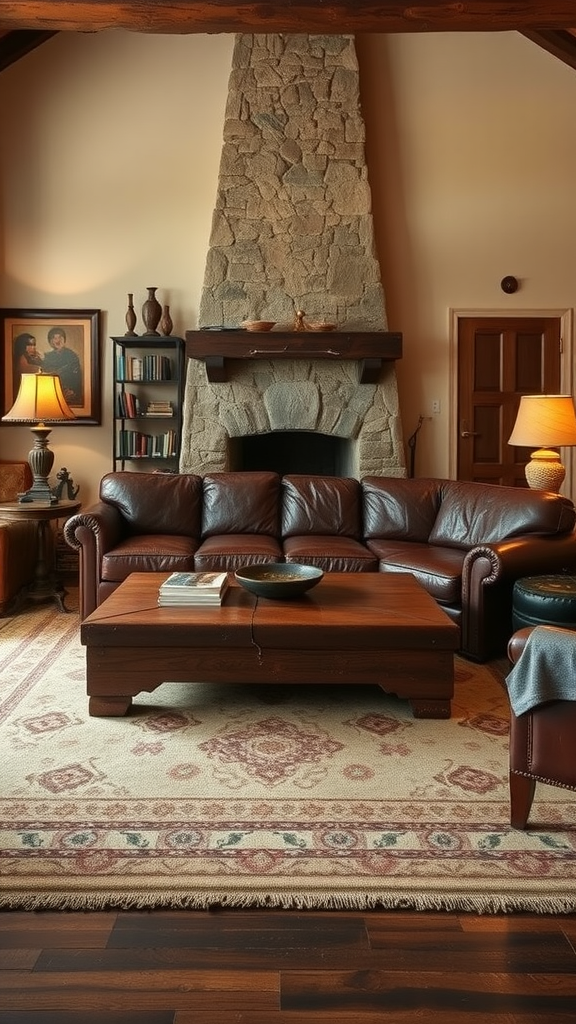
[148, 394]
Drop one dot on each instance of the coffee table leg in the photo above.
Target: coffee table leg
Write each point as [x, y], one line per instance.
[431, 708]
[109, 707]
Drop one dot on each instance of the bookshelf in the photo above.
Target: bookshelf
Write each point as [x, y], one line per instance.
[148, 392]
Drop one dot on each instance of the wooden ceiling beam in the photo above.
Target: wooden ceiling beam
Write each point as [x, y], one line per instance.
[14, 45]
[559, 44]
[313, 16]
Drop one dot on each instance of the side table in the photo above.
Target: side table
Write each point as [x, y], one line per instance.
[45, 586]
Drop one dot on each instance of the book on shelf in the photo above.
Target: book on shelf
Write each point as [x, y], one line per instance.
[159, 409]
[193, 588]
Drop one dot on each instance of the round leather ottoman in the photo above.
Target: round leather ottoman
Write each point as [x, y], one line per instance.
[544, 601]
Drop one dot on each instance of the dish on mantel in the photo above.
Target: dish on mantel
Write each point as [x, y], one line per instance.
[258, 325]
[321, 327]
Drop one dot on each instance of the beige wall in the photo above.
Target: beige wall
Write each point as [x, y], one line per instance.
[111, 144]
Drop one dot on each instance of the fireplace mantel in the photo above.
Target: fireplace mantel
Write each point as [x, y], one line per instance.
[216, 348]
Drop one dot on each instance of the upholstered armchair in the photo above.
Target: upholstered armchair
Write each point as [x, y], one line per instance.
[542, 738]
[17, 539]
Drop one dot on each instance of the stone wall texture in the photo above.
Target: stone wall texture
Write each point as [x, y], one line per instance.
[292, 229]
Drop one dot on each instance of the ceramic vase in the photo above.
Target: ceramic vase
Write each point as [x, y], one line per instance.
[151, 312]
[130, 318]
[166, 324]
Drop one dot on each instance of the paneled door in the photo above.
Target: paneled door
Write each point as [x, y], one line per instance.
[499, 360]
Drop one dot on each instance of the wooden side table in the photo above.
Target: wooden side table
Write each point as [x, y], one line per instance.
[45, 585]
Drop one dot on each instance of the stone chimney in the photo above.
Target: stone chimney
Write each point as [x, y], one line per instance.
[292, 229]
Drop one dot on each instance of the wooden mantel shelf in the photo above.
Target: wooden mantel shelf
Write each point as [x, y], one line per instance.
[216, 348]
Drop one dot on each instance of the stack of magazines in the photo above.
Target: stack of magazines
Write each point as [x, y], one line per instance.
[193, 588]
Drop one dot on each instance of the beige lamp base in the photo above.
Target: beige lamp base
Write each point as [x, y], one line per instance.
[545, 472]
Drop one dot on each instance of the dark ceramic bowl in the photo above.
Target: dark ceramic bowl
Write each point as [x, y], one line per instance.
[278, 581]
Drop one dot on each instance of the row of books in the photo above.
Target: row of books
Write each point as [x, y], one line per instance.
[146, 368]
[129, 406]
[132, 444]
[193, 588]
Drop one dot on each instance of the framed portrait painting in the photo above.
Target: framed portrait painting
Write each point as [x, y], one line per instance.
[61, 341]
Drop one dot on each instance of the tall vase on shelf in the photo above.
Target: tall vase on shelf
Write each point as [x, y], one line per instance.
[151, 313]
[130, 318]
[166, 324]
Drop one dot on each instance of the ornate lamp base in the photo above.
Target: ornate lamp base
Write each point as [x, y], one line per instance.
[545, 471]
[40, 460]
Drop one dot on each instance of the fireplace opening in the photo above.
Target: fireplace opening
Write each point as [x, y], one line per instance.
[292, 451]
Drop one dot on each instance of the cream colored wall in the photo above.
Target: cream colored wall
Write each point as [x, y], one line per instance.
[472, 140]
[109, 169]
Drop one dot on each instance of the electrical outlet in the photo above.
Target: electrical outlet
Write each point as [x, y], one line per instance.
[436, 406]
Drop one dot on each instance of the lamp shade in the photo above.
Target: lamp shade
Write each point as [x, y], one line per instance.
[40, 399]
[544, 421]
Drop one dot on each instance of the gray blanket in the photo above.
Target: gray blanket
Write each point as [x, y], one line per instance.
[546, 669]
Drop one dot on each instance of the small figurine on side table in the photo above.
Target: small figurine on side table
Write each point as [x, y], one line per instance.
[67, 482]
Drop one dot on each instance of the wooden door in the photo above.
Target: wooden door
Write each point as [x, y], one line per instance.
[499, 360]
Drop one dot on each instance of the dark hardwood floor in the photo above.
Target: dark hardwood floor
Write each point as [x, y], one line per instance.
[270, 967]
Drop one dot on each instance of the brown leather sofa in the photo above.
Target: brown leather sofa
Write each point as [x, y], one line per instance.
[542, 744]
[17, 539]
[466, 542]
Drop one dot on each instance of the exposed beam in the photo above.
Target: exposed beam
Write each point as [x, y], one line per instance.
[559, 44]
[17, 44]
[321, 16]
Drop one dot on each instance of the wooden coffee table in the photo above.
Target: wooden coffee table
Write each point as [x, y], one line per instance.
[377, 628]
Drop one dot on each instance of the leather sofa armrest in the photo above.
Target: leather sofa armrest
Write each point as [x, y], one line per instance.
[92, 533]
[488, 576]
[17, 560]
[530, 555]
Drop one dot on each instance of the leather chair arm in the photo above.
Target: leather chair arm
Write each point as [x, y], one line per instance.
[517, 643]
[92, 533]
[17, 559]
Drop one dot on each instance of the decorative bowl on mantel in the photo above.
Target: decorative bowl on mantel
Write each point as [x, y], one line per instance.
[258, 325]
[278, 581]
[321, 327]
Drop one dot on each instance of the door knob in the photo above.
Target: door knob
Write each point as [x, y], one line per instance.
[468, 433]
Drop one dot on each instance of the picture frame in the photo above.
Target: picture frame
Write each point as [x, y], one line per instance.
[61, 341]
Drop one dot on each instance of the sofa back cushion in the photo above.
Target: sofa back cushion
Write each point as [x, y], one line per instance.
[156, 503]
[240, 503]
[321, 506]
[399, 509]
[474, 513]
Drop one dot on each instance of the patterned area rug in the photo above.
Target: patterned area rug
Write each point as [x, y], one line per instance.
[297, 797]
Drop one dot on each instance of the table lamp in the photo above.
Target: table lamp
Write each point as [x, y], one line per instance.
[544, 421]
[40, 398]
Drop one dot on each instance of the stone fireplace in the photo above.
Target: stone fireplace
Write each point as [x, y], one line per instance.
[292, 229]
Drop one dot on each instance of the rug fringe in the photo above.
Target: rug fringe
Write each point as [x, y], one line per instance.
[461, 903]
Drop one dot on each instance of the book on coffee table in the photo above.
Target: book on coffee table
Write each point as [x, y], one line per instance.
[193, 588]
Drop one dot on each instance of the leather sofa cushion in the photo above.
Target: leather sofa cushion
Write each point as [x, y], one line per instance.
[439, 570]
[159, 553]
[156, 503]
[472, 514]
[320, 505]
[399, 509]
[231, 550]
[240, 503]
[332, 554]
